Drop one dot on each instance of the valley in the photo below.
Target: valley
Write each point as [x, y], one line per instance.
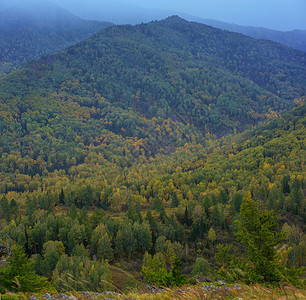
[155, 150]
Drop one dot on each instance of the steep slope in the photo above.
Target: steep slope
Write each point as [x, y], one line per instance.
[129, 93]
[184, 204]
[218, 79]
[29, 33]
[107, 151]
[295, 38]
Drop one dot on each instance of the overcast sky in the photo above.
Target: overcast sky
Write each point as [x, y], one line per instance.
[274, 14]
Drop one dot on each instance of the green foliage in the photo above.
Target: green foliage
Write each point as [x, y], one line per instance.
[194, 174]
[11, 297]
[176, 277]
[81, 273]
[212, 235]
[155, 272]
[105, 250]
[30, 35]
[192, 281]
[233, 274]
[131, 284]
[257, 229]
[126, 241]
[139, 127]
[154, 269]
[231, 266]
[52, 251]
[237, 201]
[18, 275]
[175, 201]
[143, 236]
[201, 267]
[285, 184]
[225, 256]
[294, 276]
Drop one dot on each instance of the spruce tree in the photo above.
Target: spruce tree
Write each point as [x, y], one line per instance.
[18, 275]
[257, 229]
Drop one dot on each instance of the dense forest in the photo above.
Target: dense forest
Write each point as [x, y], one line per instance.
[144, 147]
[38, 30]
[294, 38]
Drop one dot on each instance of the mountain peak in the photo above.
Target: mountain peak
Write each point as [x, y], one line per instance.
[174, 19]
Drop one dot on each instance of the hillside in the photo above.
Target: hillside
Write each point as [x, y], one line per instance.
[29, 33]
[140, 150]
[173, 66]
[130, 87]
[295, 38]
[185, 204]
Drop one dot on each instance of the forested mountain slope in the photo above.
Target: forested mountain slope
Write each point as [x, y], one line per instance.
[224, 79]
[29, 33]
[127, 143]
[182, 205]
[295, 38]
[122, 91]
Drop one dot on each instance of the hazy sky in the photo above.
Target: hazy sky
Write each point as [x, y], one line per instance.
[274, 14]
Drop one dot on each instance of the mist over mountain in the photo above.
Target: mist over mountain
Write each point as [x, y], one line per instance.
[46, 13]
[282, 15]
[295, 38]
[27, 33]
[118, 12]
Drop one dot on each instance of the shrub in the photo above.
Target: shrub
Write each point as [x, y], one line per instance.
[155, 272]
[201, 267]
[18, 275]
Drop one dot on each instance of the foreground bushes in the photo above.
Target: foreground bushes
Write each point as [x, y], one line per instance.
[18, 275]
[154, 271]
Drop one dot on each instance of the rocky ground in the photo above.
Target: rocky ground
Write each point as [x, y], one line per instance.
[206, 290]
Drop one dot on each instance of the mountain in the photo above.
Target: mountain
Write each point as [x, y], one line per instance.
[30, 32]
[218, 79]
[117, 12]
[295, 38]
[132, 86]
[128, 143]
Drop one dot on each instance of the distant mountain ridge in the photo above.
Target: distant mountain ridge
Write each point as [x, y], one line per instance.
[38, 28]
[125, 13]
[27, 34]
[295, 38]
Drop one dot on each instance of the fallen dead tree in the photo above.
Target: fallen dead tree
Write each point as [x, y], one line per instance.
[6, 248]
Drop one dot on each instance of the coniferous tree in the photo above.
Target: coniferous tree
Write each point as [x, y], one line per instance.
[257, 229]
[176, 276]
[175, 201]
[61, 197]
[186, 220]
[18, 275]
[105, 250]
[285, 185]
[4, 205]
